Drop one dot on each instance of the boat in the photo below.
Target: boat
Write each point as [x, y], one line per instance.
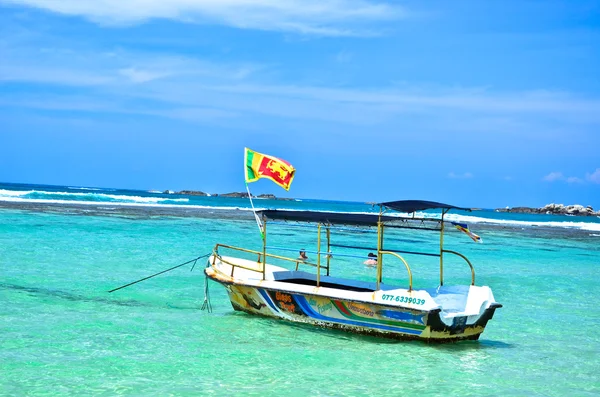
[309, 292]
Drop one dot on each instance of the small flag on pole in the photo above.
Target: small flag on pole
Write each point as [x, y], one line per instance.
[463, 227]
[259, 165]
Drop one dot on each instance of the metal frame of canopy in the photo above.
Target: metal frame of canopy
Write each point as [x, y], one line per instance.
[328, 220]
[411, 206]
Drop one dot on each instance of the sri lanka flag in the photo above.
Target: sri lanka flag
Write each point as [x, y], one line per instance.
[463, 227]
[259, 165]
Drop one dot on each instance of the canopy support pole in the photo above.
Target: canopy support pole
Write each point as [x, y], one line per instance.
[319, 255]
[379, 248]
[328, 248]
[442, 249]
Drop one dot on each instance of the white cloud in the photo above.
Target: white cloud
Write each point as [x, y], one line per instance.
[558, 176]
[594, 177]
[192, 82]
[343, 56]
[166, 80]
[466, 175]
[321, 17]
[141, 76]
[414, 99]
[554, 176]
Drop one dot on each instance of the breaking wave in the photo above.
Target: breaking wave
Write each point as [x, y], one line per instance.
[591, 226]
[66, 197]
[152, 200]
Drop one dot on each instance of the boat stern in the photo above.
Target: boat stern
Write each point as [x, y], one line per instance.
[463, 314]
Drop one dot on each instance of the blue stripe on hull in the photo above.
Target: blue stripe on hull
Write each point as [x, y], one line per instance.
[268, 299]
[311, 313]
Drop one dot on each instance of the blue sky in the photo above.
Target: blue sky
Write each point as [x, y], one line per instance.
[482, 104]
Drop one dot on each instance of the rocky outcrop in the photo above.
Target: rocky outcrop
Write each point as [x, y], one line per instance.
[554, 209]
[268, 196]
[569, 209]
[192, 193]
[245, 195]
[235, 195]
[522, 210]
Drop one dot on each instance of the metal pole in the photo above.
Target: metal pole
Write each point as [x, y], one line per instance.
[328, 248]
[381, 248]
[379, 255]
[442, 250]
[260, 228]
[319, 255]
[264, 261]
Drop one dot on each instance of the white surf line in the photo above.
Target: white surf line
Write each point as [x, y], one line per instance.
[589, 226]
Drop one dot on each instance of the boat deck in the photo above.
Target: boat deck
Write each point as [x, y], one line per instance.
[305, 278]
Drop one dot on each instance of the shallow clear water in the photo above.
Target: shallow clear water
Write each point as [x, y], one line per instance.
[61, 333]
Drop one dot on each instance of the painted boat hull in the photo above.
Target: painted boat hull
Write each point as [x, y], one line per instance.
[353, 316]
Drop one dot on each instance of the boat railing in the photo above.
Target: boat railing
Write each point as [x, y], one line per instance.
[405, 264]
[234, 265]
[259, 259]
[466, 260]
[261, 268]
[300, 261]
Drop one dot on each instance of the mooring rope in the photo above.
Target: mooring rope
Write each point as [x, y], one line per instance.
[206, 304]
[164, 271]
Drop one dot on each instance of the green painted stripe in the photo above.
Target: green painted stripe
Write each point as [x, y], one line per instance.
[250, 175]
[374, 320]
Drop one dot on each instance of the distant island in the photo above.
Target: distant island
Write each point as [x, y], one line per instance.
[554, 209]
[188, 193]
[231, 195]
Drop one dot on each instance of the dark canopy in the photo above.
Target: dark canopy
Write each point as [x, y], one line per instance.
[326, 217]
[354, 218]
[418, 205]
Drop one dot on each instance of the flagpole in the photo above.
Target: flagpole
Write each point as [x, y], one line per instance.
[258, 222]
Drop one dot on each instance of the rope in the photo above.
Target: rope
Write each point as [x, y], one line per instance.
[194, 265]
[206, 304]
[159, 273]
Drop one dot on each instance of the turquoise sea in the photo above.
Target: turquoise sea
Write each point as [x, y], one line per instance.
[62, 333]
